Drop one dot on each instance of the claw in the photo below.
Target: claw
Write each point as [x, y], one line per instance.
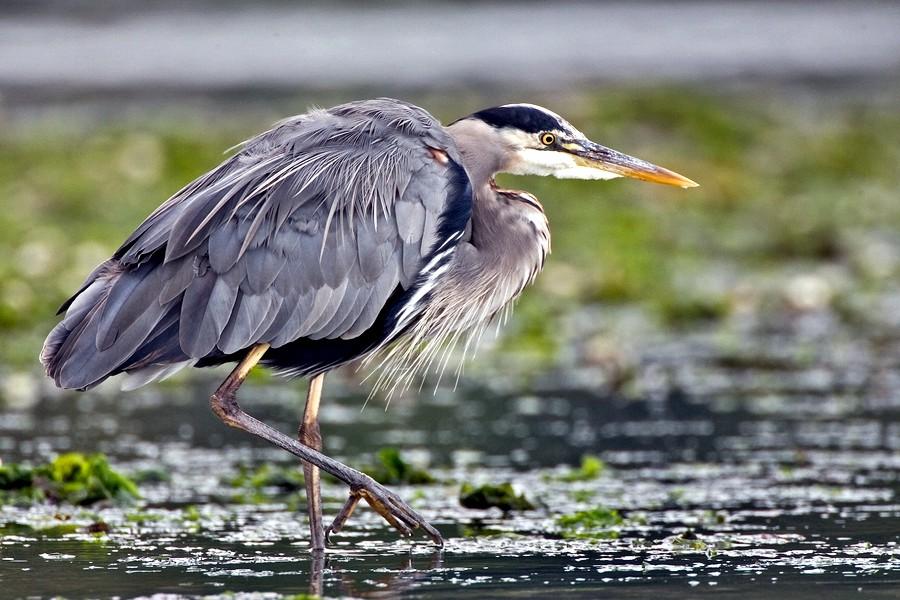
[392, 509]
[434, 534]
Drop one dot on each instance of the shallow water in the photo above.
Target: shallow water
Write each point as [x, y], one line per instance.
[762, 466]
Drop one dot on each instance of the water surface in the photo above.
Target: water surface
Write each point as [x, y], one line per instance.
[755, 467]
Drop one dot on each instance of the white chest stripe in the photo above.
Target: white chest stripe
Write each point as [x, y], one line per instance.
[436, 267]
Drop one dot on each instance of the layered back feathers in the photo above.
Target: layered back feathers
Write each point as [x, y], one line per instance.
[304, 233]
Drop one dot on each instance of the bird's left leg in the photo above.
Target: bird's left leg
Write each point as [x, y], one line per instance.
[394, 510]
[309, 435]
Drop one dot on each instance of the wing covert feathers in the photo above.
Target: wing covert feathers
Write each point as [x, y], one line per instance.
[306, 232]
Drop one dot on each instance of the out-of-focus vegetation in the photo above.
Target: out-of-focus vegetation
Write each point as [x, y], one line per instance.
[393, 469]
[810, 184]
[284, 478]
[73, 478]
[489, 495]
[598, 523]
[591, 468]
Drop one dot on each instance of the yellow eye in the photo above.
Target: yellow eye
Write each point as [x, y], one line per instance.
[548, 139]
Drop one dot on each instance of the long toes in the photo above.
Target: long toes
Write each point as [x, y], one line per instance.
[402, 511]
[433, 533]
[389, 513]
[404, 514]
[416, 520]
[387, 504]
[397, 524]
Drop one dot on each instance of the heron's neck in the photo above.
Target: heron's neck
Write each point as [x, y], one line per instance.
[504, 223]
[483, 153]
[509, 237]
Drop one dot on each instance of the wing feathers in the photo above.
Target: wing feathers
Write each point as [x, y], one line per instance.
[380, 292]
[247, 317]
[224, 247]
[124, 297]
[304, 233]
[176, 276]
[410, 220]
[263, 266]
[206, 308]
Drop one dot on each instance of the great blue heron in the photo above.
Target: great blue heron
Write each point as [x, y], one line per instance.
[336, 234]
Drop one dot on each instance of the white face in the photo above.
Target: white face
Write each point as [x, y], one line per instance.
[532, 155]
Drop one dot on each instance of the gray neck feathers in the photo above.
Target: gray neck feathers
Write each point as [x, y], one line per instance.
[509, 239]
[483, 151]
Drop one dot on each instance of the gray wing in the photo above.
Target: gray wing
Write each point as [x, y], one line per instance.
[305, 233]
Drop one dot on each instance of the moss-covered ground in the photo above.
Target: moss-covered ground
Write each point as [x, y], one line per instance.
[783, 180]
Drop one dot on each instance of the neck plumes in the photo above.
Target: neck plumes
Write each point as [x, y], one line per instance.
[510, 236]
[505, 247]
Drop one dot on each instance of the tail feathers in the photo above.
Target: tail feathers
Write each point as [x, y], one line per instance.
[105, 325]
[79, 308]
[139, 377]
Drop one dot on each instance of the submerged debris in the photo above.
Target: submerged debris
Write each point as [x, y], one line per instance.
[73, 478]
[151, 475]
[501, 496]
[98, 527]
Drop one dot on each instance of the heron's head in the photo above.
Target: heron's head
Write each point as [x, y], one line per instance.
[537, 141]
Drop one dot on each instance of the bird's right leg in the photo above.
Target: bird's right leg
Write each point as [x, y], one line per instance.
[309, 435]
[394, 510]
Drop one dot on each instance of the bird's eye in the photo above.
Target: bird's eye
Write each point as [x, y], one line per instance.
[547, 139]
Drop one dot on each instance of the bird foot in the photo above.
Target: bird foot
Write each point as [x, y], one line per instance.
[387, 504]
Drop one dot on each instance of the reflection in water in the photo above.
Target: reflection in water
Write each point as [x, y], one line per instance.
[316, 573]
[397, 580]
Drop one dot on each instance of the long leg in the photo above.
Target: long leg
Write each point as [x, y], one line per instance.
[386, 503]
[309, 435]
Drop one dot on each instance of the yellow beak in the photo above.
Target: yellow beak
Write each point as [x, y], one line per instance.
[600, 157]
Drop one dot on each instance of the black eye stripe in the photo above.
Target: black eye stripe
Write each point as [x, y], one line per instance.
[526, 118]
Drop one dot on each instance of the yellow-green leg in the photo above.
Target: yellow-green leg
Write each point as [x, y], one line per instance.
[390, 506]
[310, 436]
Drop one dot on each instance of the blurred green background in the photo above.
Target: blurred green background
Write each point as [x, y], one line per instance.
[789, 188]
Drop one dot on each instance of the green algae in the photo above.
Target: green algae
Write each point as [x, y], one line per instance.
[392, 469]
[501, 496]
[72, 478]
[591, 468]
[25, 529]
[140, 517]
[283, 479]
[595, 523]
